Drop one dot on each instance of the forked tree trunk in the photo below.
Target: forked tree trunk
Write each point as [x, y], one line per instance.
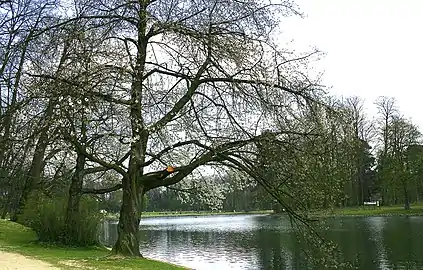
[128, 243]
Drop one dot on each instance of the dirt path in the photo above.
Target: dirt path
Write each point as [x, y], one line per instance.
[9, 261]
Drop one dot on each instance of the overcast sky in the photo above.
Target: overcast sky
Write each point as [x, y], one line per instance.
[373, 48]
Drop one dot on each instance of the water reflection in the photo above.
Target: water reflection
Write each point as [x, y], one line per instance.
[203, 242]
[267, 242]
[376, 226]
[403, 240]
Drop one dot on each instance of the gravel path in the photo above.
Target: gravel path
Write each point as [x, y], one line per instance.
[9, 261]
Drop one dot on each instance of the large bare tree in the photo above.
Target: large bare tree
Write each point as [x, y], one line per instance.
[190, 85]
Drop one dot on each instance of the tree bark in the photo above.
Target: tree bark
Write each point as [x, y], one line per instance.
[406, 197]
[128, 243]
[75, 195]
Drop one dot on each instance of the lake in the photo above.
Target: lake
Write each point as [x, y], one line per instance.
[268, 242]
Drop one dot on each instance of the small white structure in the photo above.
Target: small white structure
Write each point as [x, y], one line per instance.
[376, 203]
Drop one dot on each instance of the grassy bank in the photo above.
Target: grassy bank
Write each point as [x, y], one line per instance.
[395, 210]
[192, 213]
[19, 239]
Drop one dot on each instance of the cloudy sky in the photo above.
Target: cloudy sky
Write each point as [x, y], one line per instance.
[373, 48]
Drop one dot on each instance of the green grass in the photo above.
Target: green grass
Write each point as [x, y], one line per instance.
[396, 210]
[19, 239]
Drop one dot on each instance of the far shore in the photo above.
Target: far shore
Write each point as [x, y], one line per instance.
[191, 213]
[367, 211]
[358, 211]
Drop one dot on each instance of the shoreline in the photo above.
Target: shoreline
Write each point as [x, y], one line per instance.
[113, 216]
[21, 240]
[360, 211]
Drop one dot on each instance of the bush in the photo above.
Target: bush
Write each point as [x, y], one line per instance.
[84, 230]
[46, 216]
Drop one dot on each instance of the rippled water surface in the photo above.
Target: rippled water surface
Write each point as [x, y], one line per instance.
[267, 242]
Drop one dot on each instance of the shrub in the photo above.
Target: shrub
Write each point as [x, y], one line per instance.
[84, 230]
[46, 216]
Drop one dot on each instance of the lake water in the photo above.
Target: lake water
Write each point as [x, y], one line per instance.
[267, 242]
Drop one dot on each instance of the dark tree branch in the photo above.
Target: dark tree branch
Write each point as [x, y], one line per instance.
[258, 83]
[80, 149]
[185, 98]
[190, 191]
[105, 97]
[213, 154]
[167, 149]
[94, 170]
[102, 190]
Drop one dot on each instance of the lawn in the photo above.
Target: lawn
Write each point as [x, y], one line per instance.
[19, 239]
[395, 210]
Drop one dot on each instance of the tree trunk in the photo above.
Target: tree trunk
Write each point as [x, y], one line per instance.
[132, 187]
[4, 139]
[75, 194]
[406, 199]
[128, 243]
[5, 209]
[34, 174]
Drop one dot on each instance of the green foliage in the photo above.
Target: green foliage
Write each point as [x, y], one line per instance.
[325, 161]
[84, 230]
[111, 202]
[165, 200]
[46, 216]
[320, 252]
[400, 163]
[145, 201]
[306, 171]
